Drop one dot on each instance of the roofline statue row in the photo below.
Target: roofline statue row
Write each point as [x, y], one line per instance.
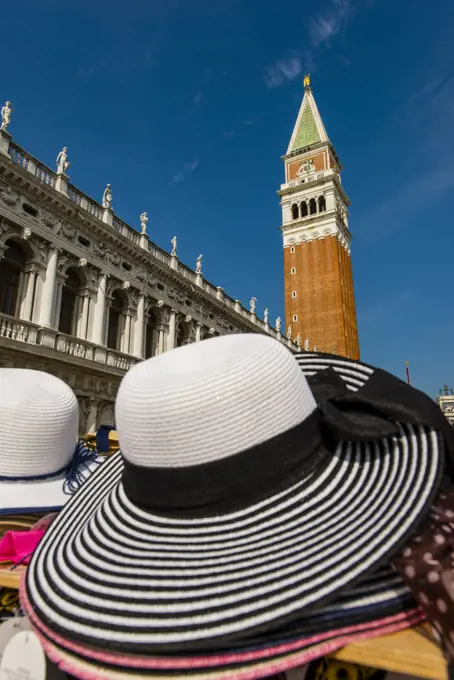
[61, 180]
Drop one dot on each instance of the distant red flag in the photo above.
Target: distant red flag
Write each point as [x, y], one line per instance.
[408, 373]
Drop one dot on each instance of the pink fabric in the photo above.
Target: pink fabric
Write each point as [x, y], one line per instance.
[44, 523]
[18, 546]
[276, 666]
[349, 633]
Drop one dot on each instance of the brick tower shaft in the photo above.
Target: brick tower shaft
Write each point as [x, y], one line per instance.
[319, 295]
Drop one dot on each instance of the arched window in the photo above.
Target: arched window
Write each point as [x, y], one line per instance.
[312, 206]
[11, 270]
[303, 209]
[321, 204]
[150, 336]
[114, 328]
[69, 303]
[294, 212]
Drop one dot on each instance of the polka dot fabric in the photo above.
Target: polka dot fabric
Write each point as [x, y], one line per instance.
[427, 567]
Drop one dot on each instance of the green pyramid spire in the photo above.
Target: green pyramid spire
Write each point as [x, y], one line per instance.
[307, 130]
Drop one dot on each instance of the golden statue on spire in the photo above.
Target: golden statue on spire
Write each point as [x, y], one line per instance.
[307, 80]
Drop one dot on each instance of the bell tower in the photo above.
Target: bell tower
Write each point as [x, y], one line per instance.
[319, 297]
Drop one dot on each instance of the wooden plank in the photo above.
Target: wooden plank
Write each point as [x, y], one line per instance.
[408, 652]
[11, 579]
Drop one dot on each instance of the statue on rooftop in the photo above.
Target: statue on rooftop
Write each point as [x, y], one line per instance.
[107, 197]
[173, 241]
[307, 80]
[265, 315]
[289, 333]
[252, 304]
[198, 265]
[278, 324]
[298, 340]
[62, 161]
[306, 344]
[6, 115]
[143, 223]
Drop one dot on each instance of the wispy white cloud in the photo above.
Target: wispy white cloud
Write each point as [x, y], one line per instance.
[323, 27]
[229, 135]
[186, 170]
[197, 98]
[283, 71]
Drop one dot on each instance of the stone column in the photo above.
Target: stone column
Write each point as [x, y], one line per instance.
[48, 295]
[126, 333]
[161, 340]
[100, 310]
[27, 306]
[92, 416]
[60, 284]
[82, 330]
[139, 328]
[171, 331]
[198, 332]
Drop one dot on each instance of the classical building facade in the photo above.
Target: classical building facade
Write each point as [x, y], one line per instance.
[446, 402]
[85, 296]
[319, 297]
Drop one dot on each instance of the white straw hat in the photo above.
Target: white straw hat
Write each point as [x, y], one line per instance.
[39, 432]
[234, 506]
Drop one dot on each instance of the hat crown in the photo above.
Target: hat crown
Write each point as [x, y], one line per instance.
[210, 400]
[38, 424]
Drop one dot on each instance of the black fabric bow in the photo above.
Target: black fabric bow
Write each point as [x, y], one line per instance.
[374, 410]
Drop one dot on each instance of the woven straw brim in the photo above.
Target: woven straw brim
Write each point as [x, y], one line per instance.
[108, 573]
[82, 667]
[380, 597]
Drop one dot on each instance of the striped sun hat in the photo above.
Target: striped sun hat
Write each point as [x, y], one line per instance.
[239, 502]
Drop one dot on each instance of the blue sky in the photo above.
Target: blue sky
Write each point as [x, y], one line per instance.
[186, 107]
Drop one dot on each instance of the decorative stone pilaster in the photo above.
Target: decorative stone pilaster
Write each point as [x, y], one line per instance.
[174, 262]
[198, 332]
[48, 293]
[199, 280]
[139, 328]
[107, 216]
[127, 332]
[238, 306]
[82, 329]
[61, 183]
[100, 310]
[143, 242]
[220, 293]
[92, 417]
[27, 301]
[172, 329]
[5, 139]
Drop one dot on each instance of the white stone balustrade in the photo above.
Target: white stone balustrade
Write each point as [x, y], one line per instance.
[22, 331]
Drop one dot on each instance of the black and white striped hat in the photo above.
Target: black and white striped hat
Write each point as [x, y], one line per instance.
[238, 503]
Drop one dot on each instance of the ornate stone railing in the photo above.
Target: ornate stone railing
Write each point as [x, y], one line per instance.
[118, 360]
[95, 210]
[125, 230]
[74, 346]
[158, 253]
[16, 329]
[18, 156]
[187, 273]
